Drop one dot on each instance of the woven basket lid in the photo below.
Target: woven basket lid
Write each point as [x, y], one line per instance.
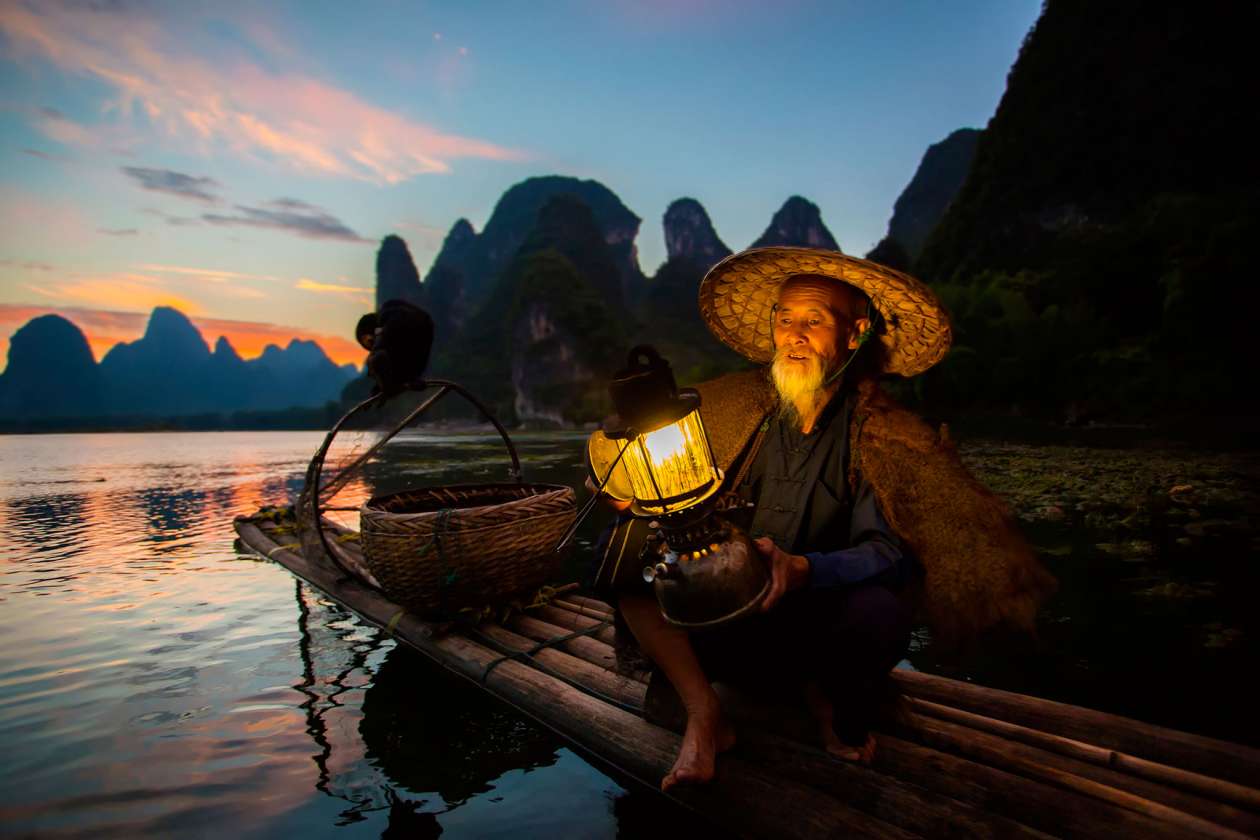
[737, 295]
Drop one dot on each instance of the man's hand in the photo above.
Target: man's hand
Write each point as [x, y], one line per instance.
[787, 571]
[615, 505]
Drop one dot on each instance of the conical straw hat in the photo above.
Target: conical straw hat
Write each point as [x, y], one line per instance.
[738, 294]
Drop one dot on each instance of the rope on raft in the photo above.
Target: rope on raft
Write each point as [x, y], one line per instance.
[278, 515]
[526, 657]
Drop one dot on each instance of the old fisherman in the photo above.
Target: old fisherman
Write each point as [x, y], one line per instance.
[864, 515]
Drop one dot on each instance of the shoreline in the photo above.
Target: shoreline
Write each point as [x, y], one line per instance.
[1220, 433]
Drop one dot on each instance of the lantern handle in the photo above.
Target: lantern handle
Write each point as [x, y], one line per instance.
[645, 355]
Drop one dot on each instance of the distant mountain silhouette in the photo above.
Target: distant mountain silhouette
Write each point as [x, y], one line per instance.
[51, 372]
[165, 372]
[299, 374]
[168, 372]
[668, 314]
[567, 225]
[396, 275]
[467, 268]
[546, 336]
[921, 204]
[445, 294]
[689, 234]
[1108, 106]
[797, 222]
[536, 311]
[1105, 236]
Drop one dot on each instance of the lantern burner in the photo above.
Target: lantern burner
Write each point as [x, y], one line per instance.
[706, 572]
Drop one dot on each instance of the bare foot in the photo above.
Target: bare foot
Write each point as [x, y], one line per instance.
[864, 754]
[707, 735]
[824, 716]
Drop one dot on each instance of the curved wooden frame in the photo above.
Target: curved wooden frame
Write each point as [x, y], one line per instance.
[314, 470]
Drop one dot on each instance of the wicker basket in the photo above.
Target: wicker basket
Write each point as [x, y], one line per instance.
[440, 549]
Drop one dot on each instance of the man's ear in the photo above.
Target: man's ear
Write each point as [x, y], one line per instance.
[859, 329]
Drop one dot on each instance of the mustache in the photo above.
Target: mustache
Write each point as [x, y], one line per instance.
[782, 353]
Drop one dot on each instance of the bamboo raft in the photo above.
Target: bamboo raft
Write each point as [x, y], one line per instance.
[961, 760]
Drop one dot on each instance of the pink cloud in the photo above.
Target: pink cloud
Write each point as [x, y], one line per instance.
[212, 274]
[292, 119]
[57, 127]
[358, 294]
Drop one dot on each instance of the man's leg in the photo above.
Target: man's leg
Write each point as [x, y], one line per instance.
[864, 632]
[669, 647]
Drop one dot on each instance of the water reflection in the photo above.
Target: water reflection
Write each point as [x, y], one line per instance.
[454, 743]
[29, 526]
[334, 666]
[171, 512]
[399, 741]
[425, 744]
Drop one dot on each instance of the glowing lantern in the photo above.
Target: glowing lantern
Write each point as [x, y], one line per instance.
[654, 451]
[654, 454]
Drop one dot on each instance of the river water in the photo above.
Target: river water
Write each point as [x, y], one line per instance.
[155, 681]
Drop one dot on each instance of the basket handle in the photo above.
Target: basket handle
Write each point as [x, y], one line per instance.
[444, 387]
[514, 471]
[314, 471]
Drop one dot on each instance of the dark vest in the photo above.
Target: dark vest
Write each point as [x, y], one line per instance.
[799, 482]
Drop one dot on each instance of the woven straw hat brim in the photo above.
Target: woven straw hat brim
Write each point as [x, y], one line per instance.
[737, 295]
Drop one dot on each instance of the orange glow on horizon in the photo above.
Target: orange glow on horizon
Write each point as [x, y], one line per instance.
[103, 329]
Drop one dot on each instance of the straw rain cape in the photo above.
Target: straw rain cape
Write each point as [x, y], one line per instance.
[979, 570]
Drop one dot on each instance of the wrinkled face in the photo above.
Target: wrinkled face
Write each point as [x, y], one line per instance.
[816, 323]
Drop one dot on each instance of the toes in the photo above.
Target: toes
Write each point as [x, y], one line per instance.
[840, 750]
[868, 750]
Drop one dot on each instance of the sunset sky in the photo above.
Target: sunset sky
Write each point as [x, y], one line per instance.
[242, 161]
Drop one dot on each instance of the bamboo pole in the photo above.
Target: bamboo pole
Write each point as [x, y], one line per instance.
[594, 679]
[1035, 803]
[593, 603]
[565, 604]
[901, 803]
[1038, 764]
[1208, 797]
[591, 650]
[572, 621]
[1231, 762]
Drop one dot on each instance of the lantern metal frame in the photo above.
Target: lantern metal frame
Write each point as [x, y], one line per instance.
[685, 500]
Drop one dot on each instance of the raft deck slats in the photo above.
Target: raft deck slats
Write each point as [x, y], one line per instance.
[1072, 775]
[1223, 760]
[1205, 786]
[1140, 790]
[1008, 778]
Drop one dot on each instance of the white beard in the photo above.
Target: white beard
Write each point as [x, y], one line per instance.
[799, 386]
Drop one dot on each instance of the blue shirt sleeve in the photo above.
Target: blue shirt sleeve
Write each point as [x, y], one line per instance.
[875, 548]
